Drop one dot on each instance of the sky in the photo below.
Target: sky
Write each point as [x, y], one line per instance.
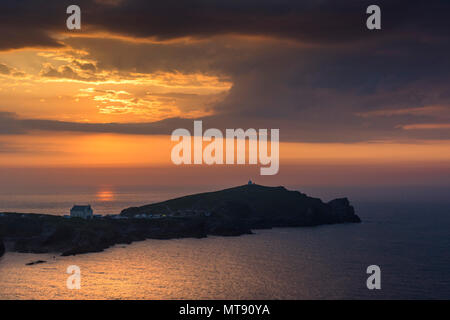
[354, 106]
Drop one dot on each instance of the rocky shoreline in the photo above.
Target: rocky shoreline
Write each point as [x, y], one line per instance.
[229, 212]
[2, 247]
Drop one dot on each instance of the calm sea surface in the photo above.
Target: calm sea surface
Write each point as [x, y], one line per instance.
[410, 242]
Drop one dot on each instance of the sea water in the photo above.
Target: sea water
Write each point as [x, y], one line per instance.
[409, 241]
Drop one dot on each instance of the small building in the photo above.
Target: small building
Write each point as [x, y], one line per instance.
[84, 212]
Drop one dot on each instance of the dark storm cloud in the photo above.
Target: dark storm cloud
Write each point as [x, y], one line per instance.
[312, 21]
[312, 94]
[308, 131]
[10, 123]
[25, 38]
[30, 22]
[313, 88]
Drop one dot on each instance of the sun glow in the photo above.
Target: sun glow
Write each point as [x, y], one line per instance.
[105, 195]
[92, 93]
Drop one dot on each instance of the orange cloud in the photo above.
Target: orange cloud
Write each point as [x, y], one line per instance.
[420, 111]
[426, 126]
[69, 78]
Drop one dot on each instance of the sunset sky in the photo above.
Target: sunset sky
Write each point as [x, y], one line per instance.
[353, 106]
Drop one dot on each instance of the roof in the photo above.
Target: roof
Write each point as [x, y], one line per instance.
[81, 208]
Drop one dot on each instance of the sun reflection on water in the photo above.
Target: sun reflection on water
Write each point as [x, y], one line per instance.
[105, 195]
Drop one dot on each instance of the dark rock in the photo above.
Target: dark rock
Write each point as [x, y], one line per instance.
[343, 210]
[253, 206]
[229, 212]
[2, 247]
[35, 262]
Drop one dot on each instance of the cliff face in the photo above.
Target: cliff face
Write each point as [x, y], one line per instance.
[255, 206]
[229, 212]
[38, 233]
[2, 247]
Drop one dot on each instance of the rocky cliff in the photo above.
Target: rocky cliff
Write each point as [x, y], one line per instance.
[255, 206]
[229, 212]
[2, 247]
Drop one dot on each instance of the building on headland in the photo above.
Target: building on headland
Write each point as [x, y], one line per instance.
[84, 212]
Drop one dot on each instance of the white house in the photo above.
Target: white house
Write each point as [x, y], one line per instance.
[84, 212]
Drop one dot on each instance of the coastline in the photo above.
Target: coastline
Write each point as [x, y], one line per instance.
[230, 212]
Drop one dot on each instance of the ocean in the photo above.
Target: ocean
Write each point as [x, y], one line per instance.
[409, 241]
